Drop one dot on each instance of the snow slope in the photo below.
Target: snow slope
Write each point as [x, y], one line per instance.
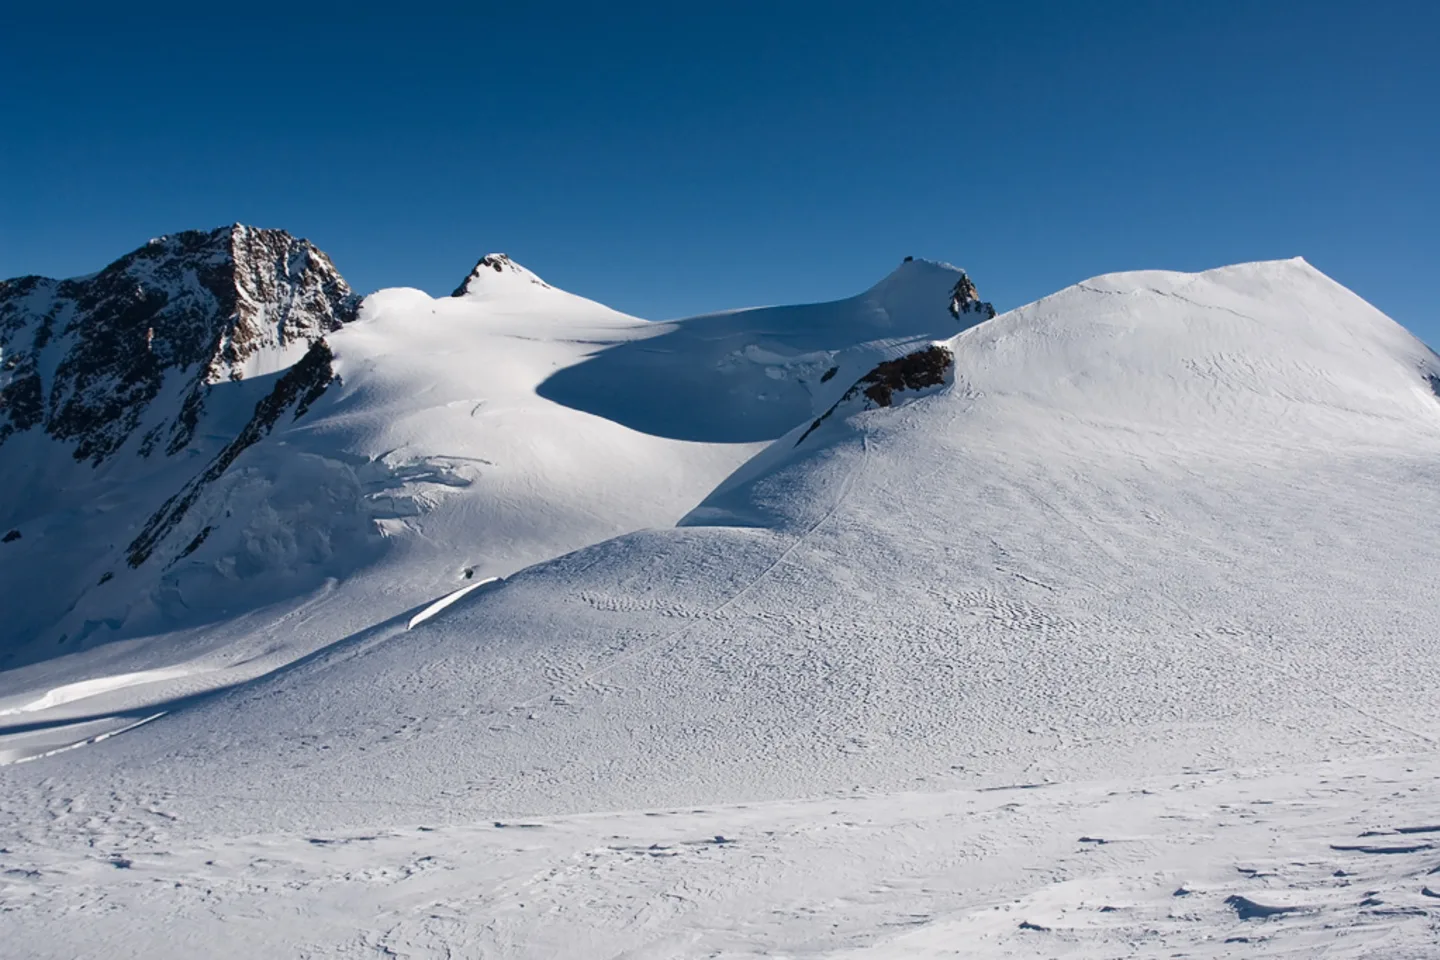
[751, 375]
[414, 454]
[1154, 518]
[1133, 610]
[1188, 865]
[115, 388]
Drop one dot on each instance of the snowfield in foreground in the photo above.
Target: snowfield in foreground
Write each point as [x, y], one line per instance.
[1334, 859]
[1104, 627]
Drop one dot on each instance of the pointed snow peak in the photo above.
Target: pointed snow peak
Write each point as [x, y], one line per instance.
[928, 286]
[496, 272]
[913, 268]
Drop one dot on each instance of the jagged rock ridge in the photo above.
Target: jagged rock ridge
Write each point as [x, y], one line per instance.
[85, 358]
[301, 386]
[966, 299]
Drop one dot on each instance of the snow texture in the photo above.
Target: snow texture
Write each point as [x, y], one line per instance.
[1110, 636]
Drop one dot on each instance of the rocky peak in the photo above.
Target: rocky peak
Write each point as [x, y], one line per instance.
[85, 358]
[964, 298]
[484, 271]
[287, 291]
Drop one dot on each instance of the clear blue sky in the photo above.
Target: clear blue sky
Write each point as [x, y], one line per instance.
[669, 160]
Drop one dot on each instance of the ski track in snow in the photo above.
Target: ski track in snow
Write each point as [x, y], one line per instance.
[796, 543]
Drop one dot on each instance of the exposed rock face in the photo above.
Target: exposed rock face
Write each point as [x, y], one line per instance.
[914, 371]
[966, 299]
[301, 386]
[83, 359]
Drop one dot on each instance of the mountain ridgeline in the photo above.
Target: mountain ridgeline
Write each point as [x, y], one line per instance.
[133, 401]
[135, 348]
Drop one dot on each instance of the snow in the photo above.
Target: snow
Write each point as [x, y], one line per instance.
[441, 449]
[1144, 867]
[30, 745]
[1118, 643]
[450, 599]
[71, 692]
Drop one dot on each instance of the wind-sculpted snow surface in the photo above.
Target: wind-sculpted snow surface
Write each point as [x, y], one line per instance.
[1203, 864]
[1128, 597]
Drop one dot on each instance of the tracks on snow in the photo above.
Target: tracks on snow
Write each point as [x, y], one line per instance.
[847, 486]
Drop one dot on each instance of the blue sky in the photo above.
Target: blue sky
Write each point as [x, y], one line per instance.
[670, 160]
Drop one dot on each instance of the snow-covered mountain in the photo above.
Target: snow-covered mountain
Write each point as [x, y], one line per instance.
[115, 388]
[91, 361]
[395, 449]
[1076, 629]
[1126, 521]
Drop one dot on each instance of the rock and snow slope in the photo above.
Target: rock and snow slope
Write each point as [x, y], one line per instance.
[1152, 526]
[379, 458]
[115, 389]
[1162, 516]
[91, 360]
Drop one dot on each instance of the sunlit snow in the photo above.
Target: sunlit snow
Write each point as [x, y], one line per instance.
[1120, 642]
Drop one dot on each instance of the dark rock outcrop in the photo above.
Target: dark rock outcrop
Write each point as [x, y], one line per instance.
[914, 371]
[300, 387]
[966, 299]
[181, 313]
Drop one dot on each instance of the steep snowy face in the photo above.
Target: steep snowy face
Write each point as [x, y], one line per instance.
[1155, 520]
[116, 389]
[90, 361]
